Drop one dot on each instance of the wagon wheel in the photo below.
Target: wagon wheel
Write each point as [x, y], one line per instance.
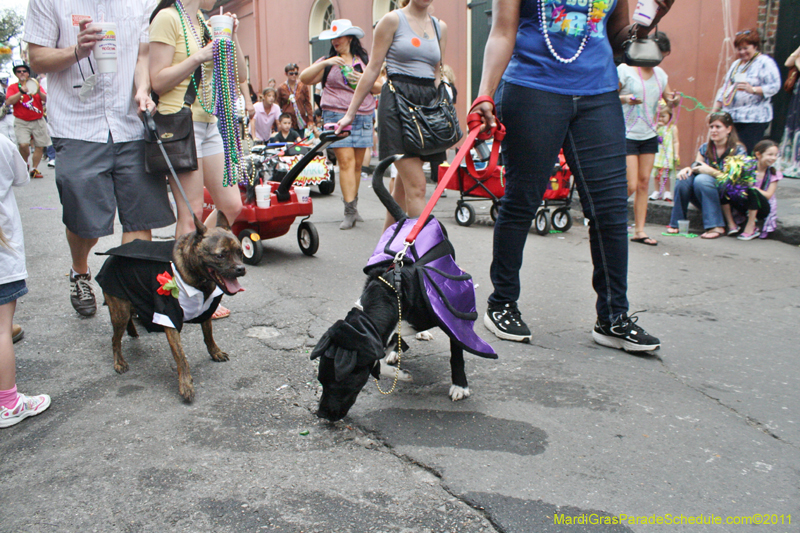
[493, 211]
[542, 223]
[562, 219]
[327, 187]
[465, 214]
[252, 248]
[307, 238]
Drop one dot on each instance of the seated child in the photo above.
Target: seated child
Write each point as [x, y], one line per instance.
[285, 133]
[759, 202]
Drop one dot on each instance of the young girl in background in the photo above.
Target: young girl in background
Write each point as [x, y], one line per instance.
[760, 202]
[14, 407]
[667, 157]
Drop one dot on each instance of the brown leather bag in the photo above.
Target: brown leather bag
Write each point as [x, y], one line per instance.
[176, 132]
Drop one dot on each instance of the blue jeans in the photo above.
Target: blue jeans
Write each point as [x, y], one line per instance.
[701, 190]
[591, 130]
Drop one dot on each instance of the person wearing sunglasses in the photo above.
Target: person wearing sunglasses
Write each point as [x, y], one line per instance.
[27, 100]
[293, 98]
[750, 83]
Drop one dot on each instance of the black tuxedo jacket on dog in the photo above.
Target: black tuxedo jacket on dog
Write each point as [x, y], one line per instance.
[131, 274]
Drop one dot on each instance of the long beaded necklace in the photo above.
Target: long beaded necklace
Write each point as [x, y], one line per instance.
[730, 93]
[206, 100]
[225, 72]
[562, 14]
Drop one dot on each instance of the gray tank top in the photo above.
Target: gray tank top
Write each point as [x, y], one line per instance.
[410, 54]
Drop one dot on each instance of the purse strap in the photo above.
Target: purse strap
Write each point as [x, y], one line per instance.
[191, 90]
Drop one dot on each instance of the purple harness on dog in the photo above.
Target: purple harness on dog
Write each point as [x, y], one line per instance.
[448, 290]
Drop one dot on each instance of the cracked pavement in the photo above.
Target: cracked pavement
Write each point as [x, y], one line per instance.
[559, 426]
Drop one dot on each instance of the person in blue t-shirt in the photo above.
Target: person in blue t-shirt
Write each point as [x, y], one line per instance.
[549, 65]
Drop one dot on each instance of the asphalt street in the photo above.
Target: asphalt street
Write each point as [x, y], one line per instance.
[556, 432]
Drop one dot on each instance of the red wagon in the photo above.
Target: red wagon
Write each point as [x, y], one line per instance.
[254, 224]
[471, 189]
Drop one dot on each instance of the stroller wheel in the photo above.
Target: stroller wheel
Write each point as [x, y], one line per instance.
[562, 219]
[542, 223]
[252, 248]
[465, 214]
[493, 211]
[327, 187]
[307, 238]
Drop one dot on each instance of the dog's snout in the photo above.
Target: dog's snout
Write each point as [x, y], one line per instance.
[240, 270]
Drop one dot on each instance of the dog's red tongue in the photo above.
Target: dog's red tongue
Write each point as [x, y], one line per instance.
[232, 285]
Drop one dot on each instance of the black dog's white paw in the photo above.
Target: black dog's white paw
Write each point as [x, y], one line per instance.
[388, 371]
[425, 336]
[458, 393]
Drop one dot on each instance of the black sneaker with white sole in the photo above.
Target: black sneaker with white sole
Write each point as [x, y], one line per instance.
[505, 321]
[624, 334]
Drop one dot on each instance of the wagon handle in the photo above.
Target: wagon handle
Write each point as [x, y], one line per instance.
[326, 139]
[474, 124]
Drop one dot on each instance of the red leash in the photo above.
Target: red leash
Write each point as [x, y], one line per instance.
[474, 123]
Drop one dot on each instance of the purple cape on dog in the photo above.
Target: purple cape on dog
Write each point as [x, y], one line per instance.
[448, 290]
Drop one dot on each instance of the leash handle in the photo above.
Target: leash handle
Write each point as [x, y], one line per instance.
[150, 126]
[474, 123]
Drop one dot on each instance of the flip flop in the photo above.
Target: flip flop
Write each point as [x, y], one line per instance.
[672, 231]
[221, 312]
[734, 232]
[643, 240]
[711, 235]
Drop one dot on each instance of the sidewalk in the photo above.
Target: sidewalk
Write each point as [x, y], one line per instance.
[788, 195]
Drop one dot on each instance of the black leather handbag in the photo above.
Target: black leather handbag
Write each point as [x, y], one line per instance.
[428, 129]
[641, 52]
[176, 132]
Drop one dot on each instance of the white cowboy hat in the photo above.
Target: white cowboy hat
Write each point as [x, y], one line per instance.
[339, 28]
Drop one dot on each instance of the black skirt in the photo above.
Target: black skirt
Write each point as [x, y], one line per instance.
[420, 91]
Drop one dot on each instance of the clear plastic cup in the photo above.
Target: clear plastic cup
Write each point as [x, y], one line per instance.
[683, 227]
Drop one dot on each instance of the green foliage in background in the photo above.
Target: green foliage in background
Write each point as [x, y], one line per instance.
[10, 26]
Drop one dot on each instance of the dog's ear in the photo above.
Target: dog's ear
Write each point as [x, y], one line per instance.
[199, 227]
[222, 221]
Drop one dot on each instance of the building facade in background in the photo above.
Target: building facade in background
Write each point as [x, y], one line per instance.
[275, 32]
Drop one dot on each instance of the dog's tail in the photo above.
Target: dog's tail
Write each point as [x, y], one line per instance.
[386, 198]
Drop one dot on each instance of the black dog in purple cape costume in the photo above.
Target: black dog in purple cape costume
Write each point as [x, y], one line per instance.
[433, 292]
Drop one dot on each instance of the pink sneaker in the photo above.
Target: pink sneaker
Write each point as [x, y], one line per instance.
[26, 406]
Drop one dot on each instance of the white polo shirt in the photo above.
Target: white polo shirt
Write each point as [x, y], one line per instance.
[110, 107]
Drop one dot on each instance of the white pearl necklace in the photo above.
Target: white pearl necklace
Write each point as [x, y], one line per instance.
[585, 39]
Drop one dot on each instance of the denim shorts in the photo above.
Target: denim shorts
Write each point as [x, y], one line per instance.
[360, 134]
[12, 290]
[647, 146]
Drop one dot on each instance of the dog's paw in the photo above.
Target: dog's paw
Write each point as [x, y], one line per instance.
[219, 356]
[121, 368]
[186, 388]
[388, 371]
[458, 393]
[424, 336]
[391, 358]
